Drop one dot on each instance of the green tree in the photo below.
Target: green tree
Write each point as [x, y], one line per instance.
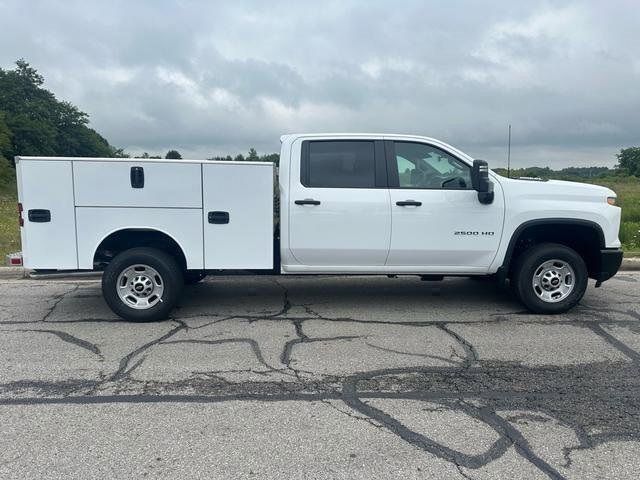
[39, 124]
[5, 138]
[253, 155]
[7, 174]
[629, 161]
[173, 154]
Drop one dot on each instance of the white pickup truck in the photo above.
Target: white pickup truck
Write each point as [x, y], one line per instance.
[348, 204]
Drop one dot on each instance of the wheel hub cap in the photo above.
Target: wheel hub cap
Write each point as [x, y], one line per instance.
[140, 286]
[553, 281]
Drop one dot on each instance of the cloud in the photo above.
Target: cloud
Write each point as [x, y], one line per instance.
[218, 77]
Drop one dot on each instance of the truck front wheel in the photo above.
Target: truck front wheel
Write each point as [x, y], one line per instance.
[142, 284]
[550, 278]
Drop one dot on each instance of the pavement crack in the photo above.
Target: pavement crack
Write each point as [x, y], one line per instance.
[519, 442]
[286, 303]
[122, 371]
[411, 354]
[623, 348]
[285, 355]
[471, 353]
[249, 341]
[352, 415]
[66, 337]
[463, 473]
[57, 300]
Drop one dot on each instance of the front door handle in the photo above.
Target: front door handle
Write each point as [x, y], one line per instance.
[408, 203]
[307, 201]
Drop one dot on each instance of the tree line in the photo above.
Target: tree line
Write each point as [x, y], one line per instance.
[34, 122]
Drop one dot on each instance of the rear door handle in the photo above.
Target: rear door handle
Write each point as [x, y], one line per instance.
[307, 201]
[408, 203]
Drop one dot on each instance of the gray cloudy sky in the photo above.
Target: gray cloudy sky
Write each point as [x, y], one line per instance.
[218, 77]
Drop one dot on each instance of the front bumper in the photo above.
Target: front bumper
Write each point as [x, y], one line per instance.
[610, 260]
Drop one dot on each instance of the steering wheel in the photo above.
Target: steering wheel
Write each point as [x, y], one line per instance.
[461, 182]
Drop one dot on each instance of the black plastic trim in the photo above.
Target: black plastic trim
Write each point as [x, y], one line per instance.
[39, 216]
[548, 221]
[137, 177]
[610, 261]
[218, 218]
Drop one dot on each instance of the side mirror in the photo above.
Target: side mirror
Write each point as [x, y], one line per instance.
[480, 181]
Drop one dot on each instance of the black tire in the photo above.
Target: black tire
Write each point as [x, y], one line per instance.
[171, 280]
[530, 262]
[191, 277]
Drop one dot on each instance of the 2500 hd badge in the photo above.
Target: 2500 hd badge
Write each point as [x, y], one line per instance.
[473, 233]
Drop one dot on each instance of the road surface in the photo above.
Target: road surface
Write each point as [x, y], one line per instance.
[334, 377]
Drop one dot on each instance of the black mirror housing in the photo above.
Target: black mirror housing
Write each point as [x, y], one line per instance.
[480, 181]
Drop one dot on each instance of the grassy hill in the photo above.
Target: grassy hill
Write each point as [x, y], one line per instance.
[9, 229]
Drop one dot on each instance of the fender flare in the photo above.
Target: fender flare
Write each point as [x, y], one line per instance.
[506, 262]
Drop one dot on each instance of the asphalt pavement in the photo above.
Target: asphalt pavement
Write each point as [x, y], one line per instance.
[317, 378]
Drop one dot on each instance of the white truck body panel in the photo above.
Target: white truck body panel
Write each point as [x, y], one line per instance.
[48, 185]
[107, 184]
[352, 227]
[183, 225]
[91, 199]
[415, 227]
[246, 193]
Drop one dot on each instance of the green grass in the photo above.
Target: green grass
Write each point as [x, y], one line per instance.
[627, 188]
[628, 191]
[9, 230]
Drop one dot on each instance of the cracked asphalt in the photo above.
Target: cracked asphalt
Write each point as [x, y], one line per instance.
[333, 377]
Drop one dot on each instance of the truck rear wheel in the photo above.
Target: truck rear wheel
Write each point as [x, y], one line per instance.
[142, 284]
[550, 278]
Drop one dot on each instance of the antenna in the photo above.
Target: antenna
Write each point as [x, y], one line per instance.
[509, 154]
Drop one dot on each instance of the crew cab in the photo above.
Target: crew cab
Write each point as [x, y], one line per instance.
[349, 204]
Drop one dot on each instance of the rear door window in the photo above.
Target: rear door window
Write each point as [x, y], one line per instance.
[339, 164]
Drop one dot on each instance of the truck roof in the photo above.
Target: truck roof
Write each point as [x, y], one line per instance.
[136, 160]
[290, 136]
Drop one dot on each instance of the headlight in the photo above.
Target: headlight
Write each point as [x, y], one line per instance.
[611, 200]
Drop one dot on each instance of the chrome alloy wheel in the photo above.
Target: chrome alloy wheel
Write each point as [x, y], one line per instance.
[140, 287]
[553, 281]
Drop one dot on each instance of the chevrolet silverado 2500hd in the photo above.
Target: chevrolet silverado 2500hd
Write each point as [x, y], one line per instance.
[349, 204]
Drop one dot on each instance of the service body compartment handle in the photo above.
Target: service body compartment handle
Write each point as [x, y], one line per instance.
[137, 177]
[218, 217]
[39, 215]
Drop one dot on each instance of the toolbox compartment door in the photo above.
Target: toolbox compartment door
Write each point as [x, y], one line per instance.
[137, 184]
[238, 215]
[45, 190]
